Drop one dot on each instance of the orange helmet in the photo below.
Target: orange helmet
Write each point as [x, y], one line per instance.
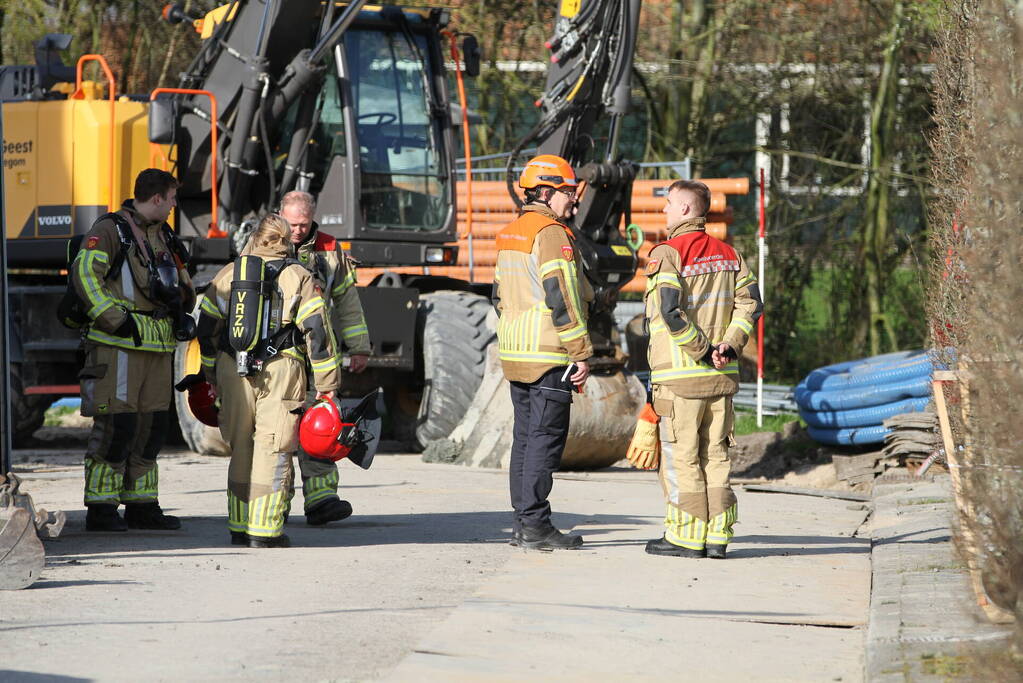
[547, 170]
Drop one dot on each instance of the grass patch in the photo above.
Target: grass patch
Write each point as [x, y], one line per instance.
[946, 666]
[55, 416]
[924, 501]
[952, 566]
[746, 422]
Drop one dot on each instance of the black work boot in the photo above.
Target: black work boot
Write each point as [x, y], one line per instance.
[149, 516]
[548, 538]
[661, 546]
[239, 538]
[516, 539]
[281, 541]
[330, 510]
[716, 551]
[104, 517]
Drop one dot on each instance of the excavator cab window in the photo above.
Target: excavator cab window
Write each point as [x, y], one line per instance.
[404, 178]
[328, 135]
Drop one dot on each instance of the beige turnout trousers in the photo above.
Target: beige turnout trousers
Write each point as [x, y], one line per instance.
[695, 468]
[258, 419]
[127, 393]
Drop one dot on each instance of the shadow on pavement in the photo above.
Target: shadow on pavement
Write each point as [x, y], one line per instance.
[798, 540]
[8, 676]
[902, 538]
[730, 615]
[285, 616]
[43, 584]
[210, 532]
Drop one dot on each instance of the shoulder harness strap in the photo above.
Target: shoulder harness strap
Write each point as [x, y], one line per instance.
[124, 239]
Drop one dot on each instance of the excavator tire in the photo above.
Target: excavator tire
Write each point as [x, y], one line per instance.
[198, 437]
[455, 340]
[27, 412]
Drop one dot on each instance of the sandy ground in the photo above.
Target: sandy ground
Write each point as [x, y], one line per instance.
[421, 584]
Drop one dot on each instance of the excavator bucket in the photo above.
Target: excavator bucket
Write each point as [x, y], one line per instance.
[21, 523]
[602, 423]
[21, 552]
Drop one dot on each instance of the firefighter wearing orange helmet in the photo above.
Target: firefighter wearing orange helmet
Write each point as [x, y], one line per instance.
[541, 298]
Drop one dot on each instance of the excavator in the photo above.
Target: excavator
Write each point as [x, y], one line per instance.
[348, 101]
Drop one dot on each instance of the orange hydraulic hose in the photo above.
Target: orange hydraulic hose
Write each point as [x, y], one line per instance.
[112, 89]
[465, 143]
[214, 229]
[154, 153]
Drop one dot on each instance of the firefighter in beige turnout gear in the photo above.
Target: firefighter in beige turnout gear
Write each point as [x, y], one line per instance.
[129, 344]
[260, 412]
[701, 304]
[334, 272]
[541, 297]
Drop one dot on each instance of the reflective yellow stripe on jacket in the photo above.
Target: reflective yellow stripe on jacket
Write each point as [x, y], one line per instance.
[682, 366]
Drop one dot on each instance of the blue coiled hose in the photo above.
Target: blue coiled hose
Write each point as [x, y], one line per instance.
[886, 369]
[845, 403]
[862, 417]
[850, 436]
[863, 396]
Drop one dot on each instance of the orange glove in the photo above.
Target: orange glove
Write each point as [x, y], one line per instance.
[645, 448]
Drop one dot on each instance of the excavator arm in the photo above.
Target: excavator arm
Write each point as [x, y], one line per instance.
[257, 59]
[583, 107]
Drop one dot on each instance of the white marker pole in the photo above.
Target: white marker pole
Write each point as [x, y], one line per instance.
[762, 243]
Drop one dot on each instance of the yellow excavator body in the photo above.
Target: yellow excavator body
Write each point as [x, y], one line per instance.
[57, 159]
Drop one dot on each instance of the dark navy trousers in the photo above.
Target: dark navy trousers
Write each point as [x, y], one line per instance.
[541, 430]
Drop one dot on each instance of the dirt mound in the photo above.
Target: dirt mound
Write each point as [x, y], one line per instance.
[772, 455]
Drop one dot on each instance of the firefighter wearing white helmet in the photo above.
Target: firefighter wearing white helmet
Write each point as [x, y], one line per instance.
[541, 299]
[258, 366]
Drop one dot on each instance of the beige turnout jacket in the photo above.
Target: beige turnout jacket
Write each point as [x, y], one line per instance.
[699, 293]
[541, 297]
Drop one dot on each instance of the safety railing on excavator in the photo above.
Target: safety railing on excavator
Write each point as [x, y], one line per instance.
[214, 227]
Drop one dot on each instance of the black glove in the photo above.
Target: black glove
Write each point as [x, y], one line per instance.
[189, 381]
[708, 358]
[129, 329]
[730, 354]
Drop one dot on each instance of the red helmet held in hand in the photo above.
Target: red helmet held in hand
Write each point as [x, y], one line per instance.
[202, 401]
[321, 432]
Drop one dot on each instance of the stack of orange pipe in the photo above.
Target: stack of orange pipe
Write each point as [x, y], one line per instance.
[493, 210]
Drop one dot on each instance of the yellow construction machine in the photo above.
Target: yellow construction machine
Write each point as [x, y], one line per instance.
[350, 102]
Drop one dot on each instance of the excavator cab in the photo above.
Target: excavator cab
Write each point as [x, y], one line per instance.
[355, 112]
[389, 113]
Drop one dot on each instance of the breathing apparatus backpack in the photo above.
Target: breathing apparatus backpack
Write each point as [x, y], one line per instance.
[71, 311]
[254, 330]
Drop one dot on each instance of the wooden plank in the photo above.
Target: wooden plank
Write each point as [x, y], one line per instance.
[994, 613]
[943, 422]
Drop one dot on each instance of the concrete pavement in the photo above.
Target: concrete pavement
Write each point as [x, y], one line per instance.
[923, 610]
[421, 584]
